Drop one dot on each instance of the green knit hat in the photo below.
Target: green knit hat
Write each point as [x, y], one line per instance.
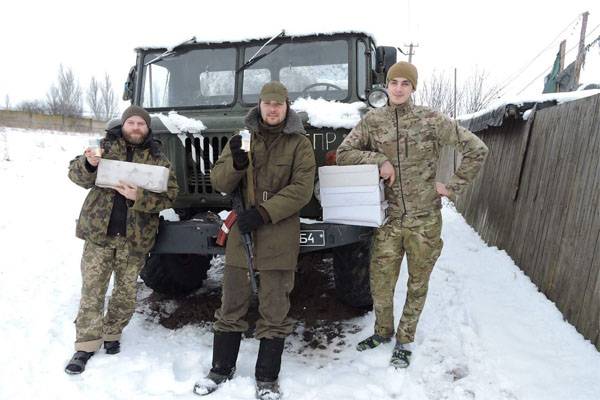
[135, 110]
[274, 91]
[404, 70]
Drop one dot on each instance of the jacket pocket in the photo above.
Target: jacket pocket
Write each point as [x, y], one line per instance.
[280, 172]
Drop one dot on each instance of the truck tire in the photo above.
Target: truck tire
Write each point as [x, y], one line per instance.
[175, 274]
[351, 272]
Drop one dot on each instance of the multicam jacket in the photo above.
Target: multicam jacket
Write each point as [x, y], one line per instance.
[410, 137]
[284, 177]
[142, 215]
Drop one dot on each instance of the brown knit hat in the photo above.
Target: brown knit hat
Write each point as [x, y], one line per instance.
[135, 110]
[274, 91]
[404, 70]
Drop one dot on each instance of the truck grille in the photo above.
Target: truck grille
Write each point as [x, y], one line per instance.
[201, 154]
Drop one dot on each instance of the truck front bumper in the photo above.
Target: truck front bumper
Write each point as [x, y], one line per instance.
[198, 236]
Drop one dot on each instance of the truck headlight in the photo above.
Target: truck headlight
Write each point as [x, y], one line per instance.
[377, 98]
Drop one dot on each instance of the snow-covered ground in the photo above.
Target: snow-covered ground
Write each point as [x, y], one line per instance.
[486, 332]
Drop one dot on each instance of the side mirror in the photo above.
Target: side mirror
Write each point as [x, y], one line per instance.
[385, 57]
[129, 85]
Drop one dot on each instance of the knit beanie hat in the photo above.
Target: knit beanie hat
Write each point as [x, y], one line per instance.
[274, 91]
[135, 110]
[404, 70]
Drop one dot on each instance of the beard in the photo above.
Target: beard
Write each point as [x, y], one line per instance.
[134, 136]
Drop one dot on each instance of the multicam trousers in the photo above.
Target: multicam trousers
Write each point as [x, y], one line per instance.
[97, 265]
[273, 302]
[419, 238]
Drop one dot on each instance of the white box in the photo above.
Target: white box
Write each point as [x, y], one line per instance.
[150, 177]
[348, 175]
[352, 195]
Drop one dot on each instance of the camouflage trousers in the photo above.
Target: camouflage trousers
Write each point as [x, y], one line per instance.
[273, 302]
[97, 265]
[419, 238]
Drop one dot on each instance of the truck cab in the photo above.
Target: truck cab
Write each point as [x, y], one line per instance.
[198, 94]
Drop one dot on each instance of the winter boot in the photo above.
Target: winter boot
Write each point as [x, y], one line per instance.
[371, 342]
[267, 390]
[112, 347]
[77, 363]
[268, 365]
[226, 346]
[400, 356]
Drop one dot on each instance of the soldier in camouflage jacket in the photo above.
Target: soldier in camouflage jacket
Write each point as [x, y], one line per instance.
[404, 140]
[119, 228]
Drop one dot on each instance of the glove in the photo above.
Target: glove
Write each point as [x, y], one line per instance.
[240, 157]
[250, 220]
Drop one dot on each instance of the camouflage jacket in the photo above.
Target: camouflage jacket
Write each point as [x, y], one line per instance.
[142, 215]
[284, 177]
[410, 137]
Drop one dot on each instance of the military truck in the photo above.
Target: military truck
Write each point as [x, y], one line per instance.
[217, 83]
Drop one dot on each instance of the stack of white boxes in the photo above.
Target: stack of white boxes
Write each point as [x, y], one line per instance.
[150, 177]
[352, 195]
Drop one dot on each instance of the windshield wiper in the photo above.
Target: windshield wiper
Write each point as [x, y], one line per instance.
[170, 52]
[255, 58]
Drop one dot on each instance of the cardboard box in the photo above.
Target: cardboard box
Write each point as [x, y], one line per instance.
[352, 195]
[150, 177]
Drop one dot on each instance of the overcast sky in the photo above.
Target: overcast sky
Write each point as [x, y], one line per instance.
[500, 37]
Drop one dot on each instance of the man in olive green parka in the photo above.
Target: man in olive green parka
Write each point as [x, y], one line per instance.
[277, 180]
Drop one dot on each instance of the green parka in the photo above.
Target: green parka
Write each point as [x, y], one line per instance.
[283, 177]
[142, 215]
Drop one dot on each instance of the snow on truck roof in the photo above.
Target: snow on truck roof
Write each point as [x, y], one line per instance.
[205, 39]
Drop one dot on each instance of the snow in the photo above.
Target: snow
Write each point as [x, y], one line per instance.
[260, 34]
[486, 332]
[331, 114]
[176, 123]
[562, 97]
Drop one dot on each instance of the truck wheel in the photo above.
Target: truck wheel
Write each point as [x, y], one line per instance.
[351, 271]
[175, 274]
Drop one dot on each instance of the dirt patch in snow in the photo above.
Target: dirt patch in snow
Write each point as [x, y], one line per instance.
[322, 320]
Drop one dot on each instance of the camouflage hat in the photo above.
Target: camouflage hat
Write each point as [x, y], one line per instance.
[404, 70]
[135, 110]
[274, 91]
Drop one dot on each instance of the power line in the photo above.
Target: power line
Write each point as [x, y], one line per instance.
[520, 71]
[546, 70]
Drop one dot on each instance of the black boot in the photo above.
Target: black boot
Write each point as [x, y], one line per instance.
[226, 346]
[268, 365]
[112, 347]
[77, 363]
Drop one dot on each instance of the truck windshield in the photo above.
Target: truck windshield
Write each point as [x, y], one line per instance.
[199, 77]
[205, 77]
[307, 69]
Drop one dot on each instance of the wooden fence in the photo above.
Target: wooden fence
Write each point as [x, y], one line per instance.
[538, 197]
[27, 120]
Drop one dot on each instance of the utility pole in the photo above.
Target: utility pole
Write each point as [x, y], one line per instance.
[411, 50]
[581, 52]
[454, 112]
[561, 61]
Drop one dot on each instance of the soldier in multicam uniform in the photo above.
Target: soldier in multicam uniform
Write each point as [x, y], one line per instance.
[404, 140]
[119, 228]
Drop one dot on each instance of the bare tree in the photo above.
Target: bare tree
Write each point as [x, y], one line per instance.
[475, 95]
[65, 98]
[7, 102]
[472, 94]
[93, 99]
[108, 98]
[33, 106]
[437, 92]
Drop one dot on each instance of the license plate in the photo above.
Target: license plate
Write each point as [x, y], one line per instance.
[312, 238]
